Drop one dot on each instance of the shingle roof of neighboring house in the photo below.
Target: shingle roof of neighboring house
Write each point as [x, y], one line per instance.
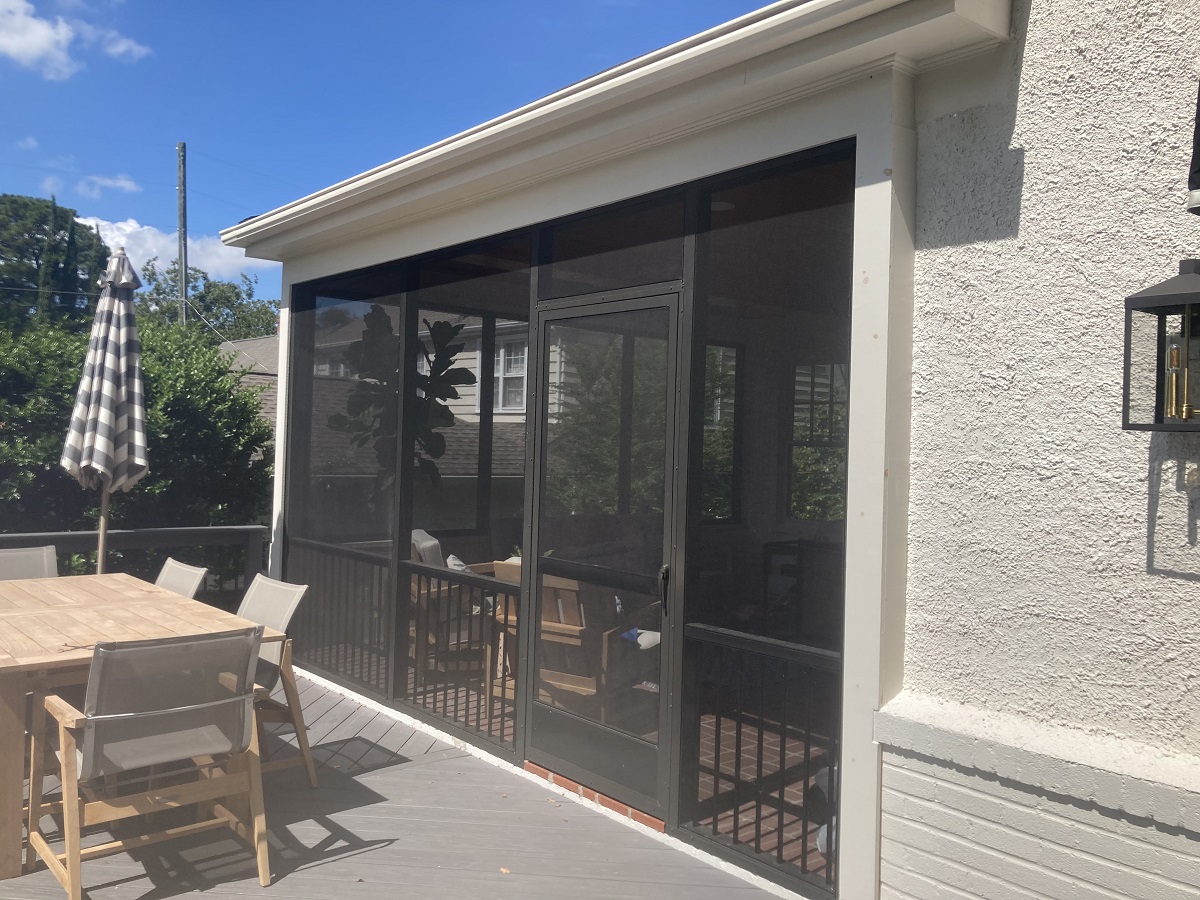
[258, 361]
[333, 453]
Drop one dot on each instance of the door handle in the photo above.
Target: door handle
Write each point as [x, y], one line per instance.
[664, 581]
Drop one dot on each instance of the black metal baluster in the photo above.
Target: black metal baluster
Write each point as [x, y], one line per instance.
[762, 733]
[478, 657]
[719, 728]
[456, 591]
[325, 617]
[740, 712]
[354, 624]
[806, 712]
[335, 609]
[783, 782]
[425, 587]
[516, 657]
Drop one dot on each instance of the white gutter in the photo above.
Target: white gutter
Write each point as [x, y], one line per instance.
[930, 28]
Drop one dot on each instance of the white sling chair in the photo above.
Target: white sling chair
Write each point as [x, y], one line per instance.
[272, 603]
[187, 701]
[180, 577]
[28, 562]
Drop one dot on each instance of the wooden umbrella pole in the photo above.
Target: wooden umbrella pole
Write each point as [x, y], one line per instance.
[102, 546]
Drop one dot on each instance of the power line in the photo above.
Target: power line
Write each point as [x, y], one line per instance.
[248, 170]
[96, 292]
[77, 173]
[213, 328]
[195, 309]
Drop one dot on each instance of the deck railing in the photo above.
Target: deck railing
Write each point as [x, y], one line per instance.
[762, 779]
[345, 626]
[233, 554]
[439, 639]
[462, 659]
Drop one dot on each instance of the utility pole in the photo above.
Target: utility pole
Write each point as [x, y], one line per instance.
[183, 264]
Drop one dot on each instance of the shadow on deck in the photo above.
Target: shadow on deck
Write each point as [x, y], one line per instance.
[401, 813]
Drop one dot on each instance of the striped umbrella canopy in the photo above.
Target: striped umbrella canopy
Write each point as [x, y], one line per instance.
[106, 443]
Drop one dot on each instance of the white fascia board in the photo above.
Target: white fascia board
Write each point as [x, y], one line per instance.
[768, 57]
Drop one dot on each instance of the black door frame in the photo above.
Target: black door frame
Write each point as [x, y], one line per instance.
[669, 296]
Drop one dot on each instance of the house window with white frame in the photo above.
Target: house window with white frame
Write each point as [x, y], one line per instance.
[510, 375]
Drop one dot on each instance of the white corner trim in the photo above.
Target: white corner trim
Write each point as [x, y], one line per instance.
[1114, 772]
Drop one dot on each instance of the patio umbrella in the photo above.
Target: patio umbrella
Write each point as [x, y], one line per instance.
[106, 443]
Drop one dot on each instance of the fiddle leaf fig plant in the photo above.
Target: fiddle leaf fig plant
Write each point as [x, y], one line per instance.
[371, 416]
[438, 383]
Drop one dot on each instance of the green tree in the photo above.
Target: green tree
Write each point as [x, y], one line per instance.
[586, 441]
[49, 263]
[718, 461]
[225, 310]
[39, 372]
[205, 439]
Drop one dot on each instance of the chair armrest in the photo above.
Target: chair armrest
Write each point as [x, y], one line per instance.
[64, 713]
[229, 681]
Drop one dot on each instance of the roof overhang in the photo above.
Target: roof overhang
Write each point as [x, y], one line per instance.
[772, 56]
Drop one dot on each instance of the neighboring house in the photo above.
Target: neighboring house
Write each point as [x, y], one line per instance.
[804, 345]
[256, 360]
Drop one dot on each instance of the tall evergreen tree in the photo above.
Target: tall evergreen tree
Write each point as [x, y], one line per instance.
[48, 264]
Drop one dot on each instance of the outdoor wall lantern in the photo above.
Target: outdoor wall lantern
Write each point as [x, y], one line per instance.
[1162, 354]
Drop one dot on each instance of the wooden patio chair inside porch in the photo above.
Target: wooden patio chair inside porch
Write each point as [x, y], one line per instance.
[582, 648]
[447, 618]
[273, 603]
[186, 703]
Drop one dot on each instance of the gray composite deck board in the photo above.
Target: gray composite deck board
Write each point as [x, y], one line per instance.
[400, 813]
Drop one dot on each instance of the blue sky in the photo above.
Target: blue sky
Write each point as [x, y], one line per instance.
[277, 98]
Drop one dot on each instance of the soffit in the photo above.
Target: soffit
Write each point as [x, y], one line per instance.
[771, 57]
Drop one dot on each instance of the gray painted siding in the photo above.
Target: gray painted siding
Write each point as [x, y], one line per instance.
[953, 832]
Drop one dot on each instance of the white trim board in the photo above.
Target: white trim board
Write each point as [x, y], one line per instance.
[1114, 772]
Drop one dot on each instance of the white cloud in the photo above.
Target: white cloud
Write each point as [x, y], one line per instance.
[27, 143]
[52, 184]
[36, 43]
[111, 42]
[92, 185]
[144, 242]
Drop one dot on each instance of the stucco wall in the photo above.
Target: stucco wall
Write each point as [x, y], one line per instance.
[1051, 181]
[1047, 740]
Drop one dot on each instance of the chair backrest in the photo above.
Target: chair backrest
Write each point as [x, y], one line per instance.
[28, 562]
[271, 603]
[158, 701]
[180, 577]
[504, 570]
[427, 549]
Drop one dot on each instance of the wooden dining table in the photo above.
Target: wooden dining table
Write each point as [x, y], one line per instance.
[48, 627]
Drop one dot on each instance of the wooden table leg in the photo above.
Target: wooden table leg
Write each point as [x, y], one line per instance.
[12, 764]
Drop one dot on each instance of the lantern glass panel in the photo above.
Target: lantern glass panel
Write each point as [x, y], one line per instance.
[1143, 381]
[1163, 373]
